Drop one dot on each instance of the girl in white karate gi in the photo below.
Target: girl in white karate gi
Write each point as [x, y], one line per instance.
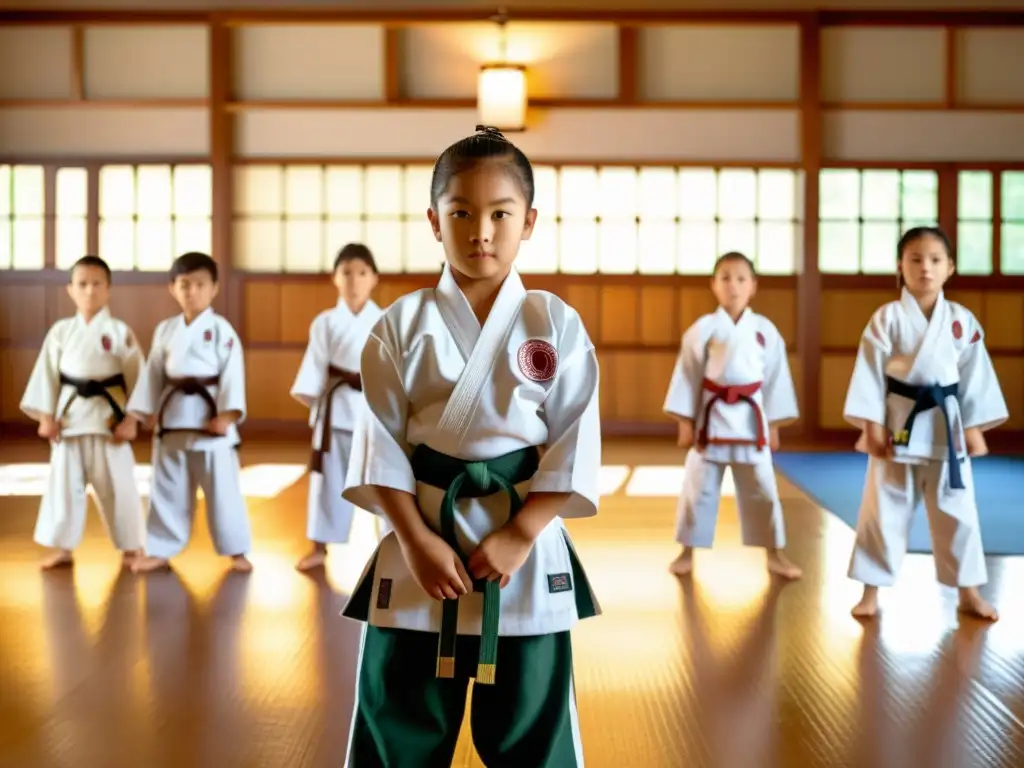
[465, 383]
[924, 392]
[85, 371]
[731, 391]
[328, 383]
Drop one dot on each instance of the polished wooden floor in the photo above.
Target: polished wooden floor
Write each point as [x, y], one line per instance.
[202, 669]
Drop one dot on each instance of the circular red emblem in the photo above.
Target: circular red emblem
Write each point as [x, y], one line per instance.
[958, 330]
[105, 341]
[760, 338]
[538, 360]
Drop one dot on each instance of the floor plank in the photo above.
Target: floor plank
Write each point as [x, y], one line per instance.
[200, 668]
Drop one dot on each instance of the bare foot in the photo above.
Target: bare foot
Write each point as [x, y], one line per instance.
[683, 564]
[146, 564]
[973, 604]
[868, 605]
[781, 565]
[129, 556]
[241, 564]
[316, 558]
[62, 559]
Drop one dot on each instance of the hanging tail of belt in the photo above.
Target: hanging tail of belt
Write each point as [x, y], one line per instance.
[926, 397]
[336, 378]
[94, 388]
[192, 386]
[462, 479]
[730, 395]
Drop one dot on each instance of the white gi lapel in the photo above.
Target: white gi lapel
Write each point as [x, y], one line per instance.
[478, 345]
[350, 331]
[928, 358]
[730, 337]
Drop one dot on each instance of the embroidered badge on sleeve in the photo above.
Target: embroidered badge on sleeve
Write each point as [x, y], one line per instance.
[105, 341]
[538, 360]
[958, 330]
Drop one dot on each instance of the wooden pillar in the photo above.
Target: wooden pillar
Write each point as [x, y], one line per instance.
[221, 157]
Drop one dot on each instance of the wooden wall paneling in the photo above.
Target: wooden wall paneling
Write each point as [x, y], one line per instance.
[300, 304]
[1010, 371]
[845, 313]
[585, 299]
[693, 302]
[629, 58]
[780, 306]
[836, 370]
[78, 62]
[262, 312]
[15, 366]
[271, 373]
[659, 316]
[221, 126]
[1003, 321]
[620, 314]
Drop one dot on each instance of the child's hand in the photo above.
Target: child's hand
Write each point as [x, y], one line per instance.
[126, 431]
[435, 566]
[500, 555]
[879, 440]
[684, 436]
[976, 443]
[773, 438]
[49, 429]
[220, 424]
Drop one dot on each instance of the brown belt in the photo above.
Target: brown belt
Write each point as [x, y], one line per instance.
[188, 386]
[336, 377]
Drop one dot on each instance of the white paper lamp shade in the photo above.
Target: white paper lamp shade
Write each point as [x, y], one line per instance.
[501, 97]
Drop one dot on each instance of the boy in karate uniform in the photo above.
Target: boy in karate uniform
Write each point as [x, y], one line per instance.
[923, 391]
[85, 371]
[731, 391]
[192, 393]
[465, 383]
[328, 383]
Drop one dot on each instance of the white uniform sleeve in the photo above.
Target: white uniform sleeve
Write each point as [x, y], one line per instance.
[145, 398]
[43, 388]
[312, 376]
[982, 405]
[132, 359]
[685, 389]
[572, 458]
[865, 398]
[380, 451]
[780, 406]
[231, 389]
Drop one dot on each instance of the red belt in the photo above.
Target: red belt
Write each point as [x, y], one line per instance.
[732, 395]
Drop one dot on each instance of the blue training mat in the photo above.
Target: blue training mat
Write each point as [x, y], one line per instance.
[835, 482]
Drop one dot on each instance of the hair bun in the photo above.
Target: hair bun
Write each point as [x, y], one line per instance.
[491, 132]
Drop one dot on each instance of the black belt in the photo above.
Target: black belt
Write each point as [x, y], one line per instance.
[926, 397]
[93, 388]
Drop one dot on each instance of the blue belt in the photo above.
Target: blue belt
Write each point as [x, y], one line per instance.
[925, 398]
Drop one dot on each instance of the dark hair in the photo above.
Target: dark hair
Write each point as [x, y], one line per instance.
[732, 256]
[356, 252]
[913, 235]
[486, 144]
[193, 261]
[90, 261]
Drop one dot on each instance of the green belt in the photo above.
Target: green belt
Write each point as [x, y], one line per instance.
[472, 479]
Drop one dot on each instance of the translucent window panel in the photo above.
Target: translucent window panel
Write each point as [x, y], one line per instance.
[303, 190]
[578, 193]
[974, 248]
[343, 190]
[259, 190]
[303, 245]
[72, 192]
[657, 247]
[1013, 195]
[776, 194]
[697, 193]
[5, 191]
[657, 189]
[154, 244]
[5, 242]
[617, 247]
[416, 194]
[839, 247]
[920, 195]
[738, 236]
[259, 244]
[1012, 258]
[974, 195]
[193, 234]
[545, 190]
[737, 193]
[383, 190]
[697, 248]
[577, 247]
[618, 190]
[117, 242]
[384, 239]
[878, 242]
[880, 195]
[153, 196]
[193, 190]
[337, 234]
[539, 254]
[28, 198]
[28, 251]
[839, 194]
[422, 252]
[776, 248]
[117, 191]
[71, 241]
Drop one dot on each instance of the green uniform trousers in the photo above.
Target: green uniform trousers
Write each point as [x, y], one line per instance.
[406, 717]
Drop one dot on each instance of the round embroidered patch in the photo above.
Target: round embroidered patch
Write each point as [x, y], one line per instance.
[760, 338]
[538, 360]
[105, 341]
[958, 330]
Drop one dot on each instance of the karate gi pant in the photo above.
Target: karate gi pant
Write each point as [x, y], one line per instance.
[405, 717]
[892, 493]
[177, 474]
[329, 516]
[75, 464]
[757, 497]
